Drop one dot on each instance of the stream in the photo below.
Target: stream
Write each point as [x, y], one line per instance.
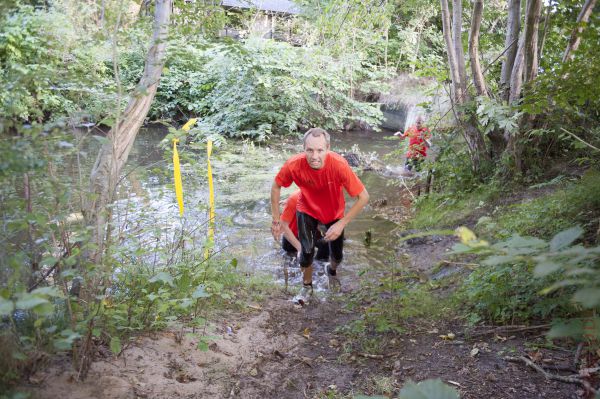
[243, 173]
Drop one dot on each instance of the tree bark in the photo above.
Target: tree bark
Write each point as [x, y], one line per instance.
[458, 47]
[447, 32]
[516, 77]
[474, 48]
[532, 26]
[512, 36]
[456, 60]
[114, 153]
[544, 31]
[582, 19]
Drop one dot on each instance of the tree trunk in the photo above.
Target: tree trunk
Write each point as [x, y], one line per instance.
[456, 61]
[532, 26]
[512, 37]
[447, 32]
[544, 32]
[474, 48]
[113, 154]
[458, 47]
[582, 19]
[516, 77]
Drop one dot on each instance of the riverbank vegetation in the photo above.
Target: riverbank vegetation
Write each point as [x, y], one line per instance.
[517, 159]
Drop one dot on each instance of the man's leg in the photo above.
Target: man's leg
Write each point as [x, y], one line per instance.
[336, 254]
[307, 232]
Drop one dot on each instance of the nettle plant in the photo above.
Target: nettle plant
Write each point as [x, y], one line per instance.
[572, 270]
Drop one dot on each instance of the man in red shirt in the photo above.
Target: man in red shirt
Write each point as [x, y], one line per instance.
[418, 141]
[320, 174]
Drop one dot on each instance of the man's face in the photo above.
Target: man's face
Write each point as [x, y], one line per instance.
[316, 149]
[419, 123]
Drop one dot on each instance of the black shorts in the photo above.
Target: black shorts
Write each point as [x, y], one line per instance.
[322, 249]
[310, 236]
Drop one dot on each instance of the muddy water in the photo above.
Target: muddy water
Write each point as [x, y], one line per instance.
[243, 175]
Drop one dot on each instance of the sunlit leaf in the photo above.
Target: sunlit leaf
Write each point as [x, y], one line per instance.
[6, 307]
[565, 238]
[28, 301]
[162, 277]
[115, 345]
[588, 297]
[200, 292]
[428, 389]
[545, 268]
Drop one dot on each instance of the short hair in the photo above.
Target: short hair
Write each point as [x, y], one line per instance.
[316, 132]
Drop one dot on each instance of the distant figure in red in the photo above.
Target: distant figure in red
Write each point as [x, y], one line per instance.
[418, 141]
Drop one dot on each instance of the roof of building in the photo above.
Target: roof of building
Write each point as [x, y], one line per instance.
[280, 6]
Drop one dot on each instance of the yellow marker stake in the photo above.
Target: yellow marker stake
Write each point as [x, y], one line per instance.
[211, 199]
[177, 167]
[177, 176]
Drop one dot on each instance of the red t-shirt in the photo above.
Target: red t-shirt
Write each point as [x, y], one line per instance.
[416, 141]
[321, 189]
[289, 212]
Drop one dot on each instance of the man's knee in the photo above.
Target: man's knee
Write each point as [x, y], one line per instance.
[306, 258]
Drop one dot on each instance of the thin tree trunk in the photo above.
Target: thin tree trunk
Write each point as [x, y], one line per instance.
[516, 77]
[532, 26]
[447, 32]
[582, 19]
[544, 32]
[512, 36]
[458, 47]
[474, 48]
[113, 154]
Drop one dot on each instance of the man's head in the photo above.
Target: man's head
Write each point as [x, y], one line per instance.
[419, 122]
[316, 146]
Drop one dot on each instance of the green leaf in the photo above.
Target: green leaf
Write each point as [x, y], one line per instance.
[565, 238]
[19, 356]
[428, 389]
[50, 291]
[115, 345]
[234, 263]
[29, 301]
[200, 292]
[588, 297]
[572, 328]
[162, 277]
[499, 260]
[545, 268]
[203, 346]
[6, 307]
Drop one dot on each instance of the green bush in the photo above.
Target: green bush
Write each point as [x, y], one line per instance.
[576, 202]
[47, 70]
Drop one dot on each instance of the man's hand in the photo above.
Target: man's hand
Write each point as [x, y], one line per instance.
[276, 229]
[334, 231]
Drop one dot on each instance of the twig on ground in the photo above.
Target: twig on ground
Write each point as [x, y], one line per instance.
[567, 379]
[377, 357]
[510, 329]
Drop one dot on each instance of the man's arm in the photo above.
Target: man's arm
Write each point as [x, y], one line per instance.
[287, 233]
[276, 223]
[336, 229]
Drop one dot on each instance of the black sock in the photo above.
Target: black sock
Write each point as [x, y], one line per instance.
[331, 271]
[307, 284]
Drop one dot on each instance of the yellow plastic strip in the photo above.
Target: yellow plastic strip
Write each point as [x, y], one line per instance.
[177, 176]
[211, 200]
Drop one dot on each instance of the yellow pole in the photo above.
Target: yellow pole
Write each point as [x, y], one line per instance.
[177, 167]
[177, 176]
[211, 200]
